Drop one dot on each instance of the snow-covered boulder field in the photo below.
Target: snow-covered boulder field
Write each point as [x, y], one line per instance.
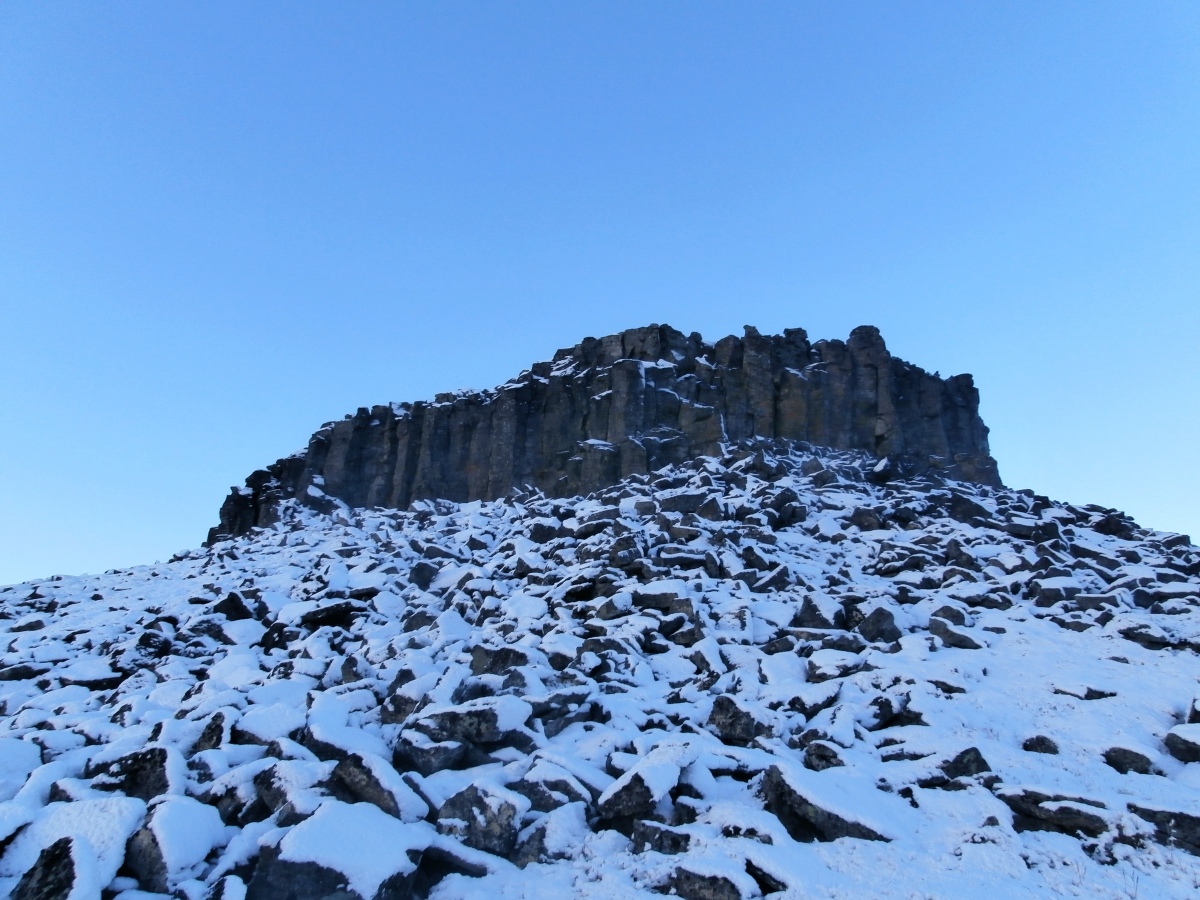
[772, 674]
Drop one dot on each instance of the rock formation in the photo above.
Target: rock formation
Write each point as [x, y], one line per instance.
[626, 404]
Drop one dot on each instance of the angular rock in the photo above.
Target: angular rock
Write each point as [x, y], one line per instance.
[483, 818]
[1040, 744]
[732, 723]
[142, 774]
[1183, 742]
[303, 865]
[557, 835]
[952, 637]
[53, 876]
[692, 885]
[1054, 812]
[879, 626]
[821, 755]
[1125, 760]
[968, 762]
[658, 838]
[370, 780]
[1172, 827]
[801, 815]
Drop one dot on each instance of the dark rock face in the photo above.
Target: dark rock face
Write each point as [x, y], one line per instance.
[631, 403]
[52, 876]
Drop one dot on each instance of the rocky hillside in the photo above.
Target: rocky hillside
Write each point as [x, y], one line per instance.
[776, 671]
[628, 404]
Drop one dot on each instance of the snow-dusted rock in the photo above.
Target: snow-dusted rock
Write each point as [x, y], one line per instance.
[585, 713]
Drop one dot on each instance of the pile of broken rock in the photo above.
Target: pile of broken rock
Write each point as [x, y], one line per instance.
[774, 673]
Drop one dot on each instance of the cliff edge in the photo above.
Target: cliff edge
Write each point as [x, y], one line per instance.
[630, 403]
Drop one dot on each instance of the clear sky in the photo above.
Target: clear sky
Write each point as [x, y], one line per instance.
[222, 224]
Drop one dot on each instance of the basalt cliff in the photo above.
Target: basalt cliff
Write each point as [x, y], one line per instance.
[626, 404]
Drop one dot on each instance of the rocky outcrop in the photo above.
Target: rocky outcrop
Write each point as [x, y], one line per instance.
[630, 403]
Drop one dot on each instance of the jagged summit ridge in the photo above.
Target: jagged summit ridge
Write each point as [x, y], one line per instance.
[625, 404]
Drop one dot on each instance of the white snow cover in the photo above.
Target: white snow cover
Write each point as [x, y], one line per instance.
[186, 831]
[357, 840]
[862, 635]
[100, 829]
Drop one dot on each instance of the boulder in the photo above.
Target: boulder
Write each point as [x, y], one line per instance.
[1039, 743]
[879, 626]
[370, 779]
[802, 814]
[179, 833]
[732, 723]
[952, 637]
[1125, 760]
[484, 818]
[310, 861]
[1183, 742]
[53, 876]
[142, 774]
[1037, 811]
[696, 885]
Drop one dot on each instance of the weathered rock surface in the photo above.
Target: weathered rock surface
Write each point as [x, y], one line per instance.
[631, 403]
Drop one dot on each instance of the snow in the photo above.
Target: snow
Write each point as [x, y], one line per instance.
[602, 701]
[358, 840]
[186, 831]
[100, 828]
[17, 760]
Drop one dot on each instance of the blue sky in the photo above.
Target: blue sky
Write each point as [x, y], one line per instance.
[222, 224]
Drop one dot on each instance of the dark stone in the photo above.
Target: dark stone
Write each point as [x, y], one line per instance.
[1040, 744]
[732, 724]
[542, 430]
[1172, 827]
[951, 614]
[803, 819]
[280, 879]
[144, 858]
[1125, 761]
[697, 886]
[154, 644]
[683, 502]
[231, 887]
[821, 755]
[439, 861]
[548, 794]
[496, 660]
[810, 616]
[879, 626]
[357, 778]
[1035, 811]
[414, 752]
[22, 672]
[964, 509]
[481, 820]
[632, 801]
[477, 725]
[775, 580]
[52, 876]
[142, 774]
[658, 838]
[969, 762]
[767, 883]
[1185, 748]
[952, 638]
[233, 608]
[422, 574]
[335, 615]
